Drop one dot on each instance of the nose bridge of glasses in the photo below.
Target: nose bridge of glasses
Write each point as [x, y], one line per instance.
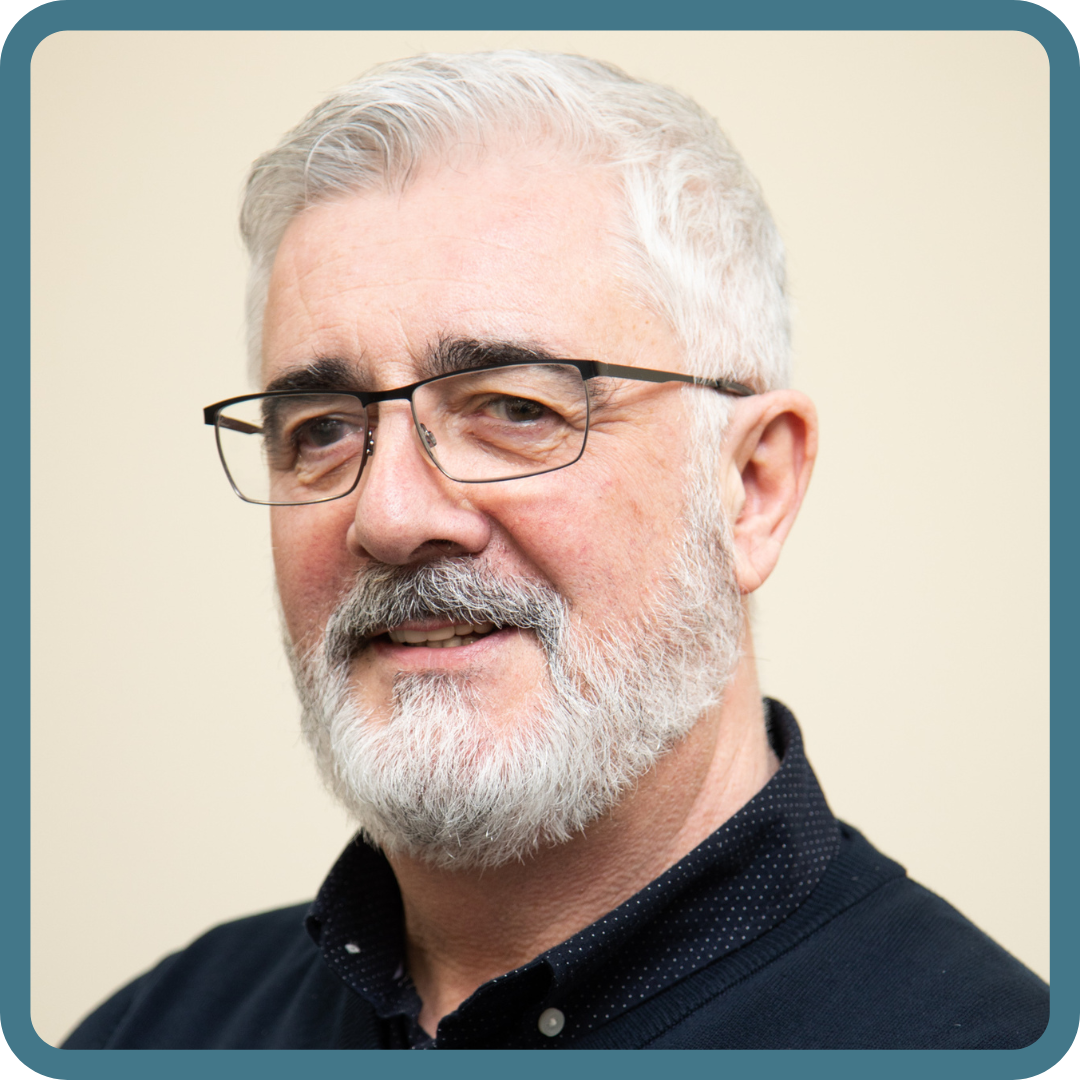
[383, 420]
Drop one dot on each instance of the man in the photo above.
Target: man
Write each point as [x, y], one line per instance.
[521, 334]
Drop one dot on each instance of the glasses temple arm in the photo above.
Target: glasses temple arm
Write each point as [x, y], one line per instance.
[726, 386]
[234, 425]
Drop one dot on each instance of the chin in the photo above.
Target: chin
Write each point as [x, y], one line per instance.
[438, 781]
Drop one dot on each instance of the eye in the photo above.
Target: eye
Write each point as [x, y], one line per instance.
[322, 432]
[516, 410]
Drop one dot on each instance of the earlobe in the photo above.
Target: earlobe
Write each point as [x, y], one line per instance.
[771, 446]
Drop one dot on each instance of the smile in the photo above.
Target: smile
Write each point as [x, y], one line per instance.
[446, 637]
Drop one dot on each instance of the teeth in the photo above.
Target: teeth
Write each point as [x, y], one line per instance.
[448, 637]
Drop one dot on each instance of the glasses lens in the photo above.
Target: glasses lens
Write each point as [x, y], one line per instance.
[285, 449]
[504, 422]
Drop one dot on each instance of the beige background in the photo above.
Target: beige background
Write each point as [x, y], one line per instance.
[907, 624]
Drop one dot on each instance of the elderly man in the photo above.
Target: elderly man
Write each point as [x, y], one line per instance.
[521, 334]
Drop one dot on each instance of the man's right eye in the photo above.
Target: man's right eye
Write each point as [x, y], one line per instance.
[321, 432]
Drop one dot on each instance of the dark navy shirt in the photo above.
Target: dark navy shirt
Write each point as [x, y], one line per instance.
[785, 929]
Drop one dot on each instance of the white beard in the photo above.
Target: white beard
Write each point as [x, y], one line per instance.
[442, 781]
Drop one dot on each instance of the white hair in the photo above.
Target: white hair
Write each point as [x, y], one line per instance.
[699, 246]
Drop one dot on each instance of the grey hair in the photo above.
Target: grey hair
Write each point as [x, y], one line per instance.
[699, 246]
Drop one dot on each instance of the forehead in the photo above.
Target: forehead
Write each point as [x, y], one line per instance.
[510, 250]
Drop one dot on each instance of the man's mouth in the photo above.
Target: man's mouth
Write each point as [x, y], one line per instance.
[446, 637]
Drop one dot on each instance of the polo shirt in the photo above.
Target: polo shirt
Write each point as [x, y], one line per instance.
[784, 929]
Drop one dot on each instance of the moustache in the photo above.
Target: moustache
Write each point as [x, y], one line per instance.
[459, 589]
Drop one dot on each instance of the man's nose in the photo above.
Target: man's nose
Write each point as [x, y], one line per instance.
[406, 510]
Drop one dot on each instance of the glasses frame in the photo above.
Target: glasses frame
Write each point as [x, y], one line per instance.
[589, 369]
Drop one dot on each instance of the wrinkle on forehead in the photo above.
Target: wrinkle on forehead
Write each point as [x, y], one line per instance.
[501, 254]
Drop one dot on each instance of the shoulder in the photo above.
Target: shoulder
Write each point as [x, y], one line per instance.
[249, 983]
[871, 960]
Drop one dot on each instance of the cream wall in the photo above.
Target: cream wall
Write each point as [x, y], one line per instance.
[907, 625]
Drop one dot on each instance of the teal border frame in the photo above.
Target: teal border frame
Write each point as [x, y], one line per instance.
[1016, 15]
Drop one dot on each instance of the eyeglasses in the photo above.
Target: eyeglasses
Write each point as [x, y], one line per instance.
[480, 426]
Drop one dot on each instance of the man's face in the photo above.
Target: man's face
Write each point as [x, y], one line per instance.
[505, 252]
[508, 252]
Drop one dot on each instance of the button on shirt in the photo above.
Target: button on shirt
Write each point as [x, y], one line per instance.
[756, 869]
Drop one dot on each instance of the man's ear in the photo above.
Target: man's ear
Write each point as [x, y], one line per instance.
[770, 446]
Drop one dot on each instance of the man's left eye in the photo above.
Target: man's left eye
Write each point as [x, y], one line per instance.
[517, 410]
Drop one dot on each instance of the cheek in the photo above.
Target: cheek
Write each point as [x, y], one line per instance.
[601, 544]
[312, 563]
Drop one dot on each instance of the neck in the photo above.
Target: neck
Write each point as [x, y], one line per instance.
[463, 928]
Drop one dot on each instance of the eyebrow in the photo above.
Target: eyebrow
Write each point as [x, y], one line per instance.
[325, 373]
[450, 355]
[447, 357]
